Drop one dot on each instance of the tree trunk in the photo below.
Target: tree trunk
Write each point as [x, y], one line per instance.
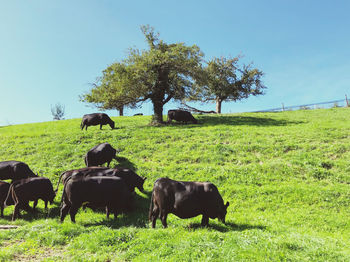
[158, 112]
[121, 111]
[218, 105]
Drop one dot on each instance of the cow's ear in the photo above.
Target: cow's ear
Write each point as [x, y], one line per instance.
[227, 204]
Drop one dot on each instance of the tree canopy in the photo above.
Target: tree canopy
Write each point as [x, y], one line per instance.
[159, 74]
[224, 79]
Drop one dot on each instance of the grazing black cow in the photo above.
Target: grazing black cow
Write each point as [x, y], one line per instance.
[15, 170]
[100, 154]
[131, 179]
[96, 119]
[29, 189]
[4, 189]
[138, 114]
[109, 192]
[181, 115]
[185, 200]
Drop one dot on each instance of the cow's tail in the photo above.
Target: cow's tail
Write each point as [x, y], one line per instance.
[59, 180]
[10, 198]
[150, 212]
[86, 160]
[64, 195]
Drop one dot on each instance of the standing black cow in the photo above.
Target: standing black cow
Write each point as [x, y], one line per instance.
[100, 154]
[181, 115]
[15, 170]
[4, 189]
[96, 119]
[131, 179]
[109, 192]
[185, 200]
[29, 189]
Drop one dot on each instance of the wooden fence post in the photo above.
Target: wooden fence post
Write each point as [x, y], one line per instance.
[347, 101]
[282, 107]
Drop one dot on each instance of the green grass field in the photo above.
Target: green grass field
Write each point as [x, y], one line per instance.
[286, 176]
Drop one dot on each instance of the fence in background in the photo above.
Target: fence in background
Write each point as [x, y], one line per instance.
[329, 104]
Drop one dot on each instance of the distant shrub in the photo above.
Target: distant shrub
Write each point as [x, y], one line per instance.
[58, 111]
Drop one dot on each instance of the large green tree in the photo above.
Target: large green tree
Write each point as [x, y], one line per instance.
[223, 79]
[159, 74]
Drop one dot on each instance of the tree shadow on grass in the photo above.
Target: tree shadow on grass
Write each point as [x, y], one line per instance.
[213, 120]
[138, 217]
[207, 120]
[225, 227]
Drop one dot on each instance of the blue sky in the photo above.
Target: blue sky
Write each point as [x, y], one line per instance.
[51, 50]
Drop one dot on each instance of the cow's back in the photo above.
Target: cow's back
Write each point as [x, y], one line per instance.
[34, 188]
[92, 119]
[15, 170]
[97, 190]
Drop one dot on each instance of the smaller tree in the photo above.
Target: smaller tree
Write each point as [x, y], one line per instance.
[111, 90]
[58, 111]
[224, 80]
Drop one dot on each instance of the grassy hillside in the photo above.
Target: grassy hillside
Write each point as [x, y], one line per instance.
[286, 175]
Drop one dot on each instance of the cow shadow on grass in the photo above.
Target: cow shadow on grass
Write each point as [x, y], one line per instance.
[229, 226]
[138, 217]
[124, 162]
[53, 211]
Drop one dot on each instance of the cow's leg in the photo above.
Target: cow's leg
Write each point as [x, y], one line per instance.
[205, 221]
[108, 163]
[86, 127]
[115, 213]
[46, 204]
[64, 211]
[101, 127]
[155, 214]
[2, 210]
[107, 212]
[25, 206]
[163, 217]
[73, 211]
[16, 212]
[35, 204]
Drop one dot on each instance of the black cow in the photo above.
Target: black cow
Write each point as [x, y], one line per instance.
[181, 115]
[4, 188]
[185, 200]
[29, 189]
[15, 170]
[109, 192]
[131, 179]
[138, 114]
[96, 119]
[100, 154]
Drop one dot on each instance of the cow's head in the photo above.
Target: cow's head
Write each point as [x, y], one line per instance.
[111, 124]
[140, 184]
[222, 212]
